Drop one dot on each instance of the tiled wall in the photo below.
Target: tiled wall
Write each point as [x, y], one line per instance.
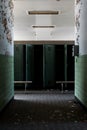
[6, 80]
[81, 79]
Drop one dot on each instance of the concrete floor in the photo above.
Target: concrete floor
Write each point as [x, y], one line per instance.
[43, 110]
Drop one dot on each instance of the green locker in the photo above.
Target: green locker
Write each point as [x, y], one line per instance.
[49, 66]
[29, 63]
[18, 63]
[65, 61]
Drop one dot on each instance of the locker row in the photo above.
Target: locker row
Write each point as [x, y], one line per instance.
[43, 65]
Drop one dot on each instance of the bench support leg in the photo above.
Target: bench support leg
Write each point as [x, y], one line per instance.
[61, 87]
[25, 87]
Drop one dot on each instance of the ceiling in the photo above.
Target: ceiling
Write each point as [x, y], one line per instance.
[63, 22]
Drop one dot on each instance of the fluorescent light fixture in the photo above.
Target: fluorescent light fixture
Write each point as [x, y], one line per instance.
[47, 12]
[35, 26]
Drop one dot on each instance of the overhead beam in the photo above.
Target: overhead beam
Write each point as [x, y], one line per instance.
[46, 42]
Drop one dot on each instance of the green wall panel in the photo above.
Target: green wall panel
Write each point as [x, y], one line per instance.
[81, 79]
[6, 79]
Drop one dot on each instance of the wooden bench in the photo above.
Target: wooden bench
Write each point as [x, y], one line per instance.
[64, 82]
[23, 82]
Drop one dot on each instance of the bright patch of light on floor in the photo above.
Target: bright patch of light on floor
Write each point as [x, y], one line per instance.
[43, 97]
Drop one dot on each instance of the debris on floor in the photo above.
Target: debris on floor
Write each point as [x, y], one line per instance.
[44, 107]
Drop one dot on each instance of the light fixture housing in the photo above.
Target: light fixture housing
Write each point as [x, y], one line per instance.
[42, 12]
[38, 26]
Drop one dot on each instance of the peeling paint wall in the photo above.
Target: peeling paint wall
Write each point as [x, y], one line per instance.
[6, 53]
[81, 60]
[6, 27]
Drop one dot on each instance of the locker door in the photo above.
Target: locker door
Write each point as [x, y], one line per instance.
[18, 62]
[29, 63]
[49, 66]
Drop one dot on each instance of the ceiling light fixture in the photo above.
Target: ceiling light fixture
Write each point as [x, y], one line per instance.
[48, 12]
[35, 26]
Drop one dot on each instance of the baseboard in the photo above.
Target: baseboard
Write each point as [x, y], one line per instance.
[82, 105]
[2, 110]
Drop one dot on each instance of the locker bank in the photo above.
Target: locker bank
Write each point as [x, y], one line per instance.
[43, 65]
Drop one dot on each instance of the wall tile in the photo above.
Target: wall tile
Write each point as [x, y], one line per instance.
[6, 79]
[81, 79]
